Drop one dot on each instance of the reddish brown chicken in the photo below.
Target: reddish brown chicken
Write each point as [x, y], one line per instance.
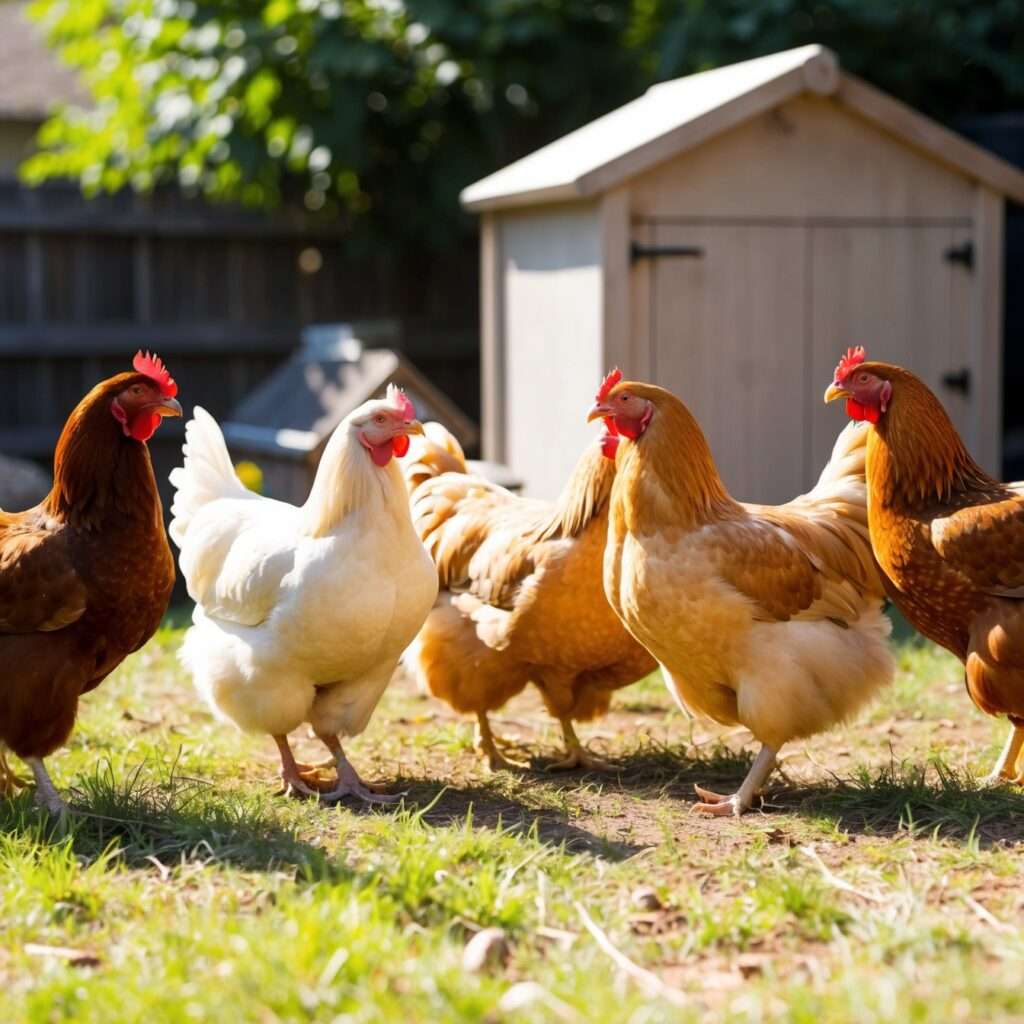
[948, 537]
[86, 575]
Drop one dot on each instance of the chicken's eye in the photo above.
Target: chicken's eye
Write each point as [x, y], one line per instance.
[136, 389]
[863, 379]
[623, 398]
[380, 418]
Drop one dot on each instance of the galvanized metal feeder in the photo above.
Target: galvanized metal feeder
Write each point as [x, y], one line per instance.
[285, 423]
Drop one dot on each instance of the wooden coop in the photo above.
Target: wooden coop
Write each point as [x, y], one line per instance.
[726, 235]
[284, 425]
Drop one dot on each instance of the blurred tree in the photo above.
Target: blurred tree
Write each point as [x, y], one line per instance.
[945, 57]
[377, 110]
[380, 111]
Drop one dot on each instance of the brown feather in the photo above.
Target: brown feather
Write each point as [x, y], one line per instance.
[950, 540]
[85, 576]
[521, 596]
[765, 616]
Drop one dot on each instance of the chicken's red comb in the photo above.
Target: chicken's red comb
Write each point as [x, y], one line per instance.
[152, 366]
[608, 383]
[854, 357]
[400, 400]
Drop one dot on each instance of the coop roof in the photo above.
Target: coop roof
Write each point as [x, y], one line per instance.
[294, 412]
[32, 78]
[673, 117]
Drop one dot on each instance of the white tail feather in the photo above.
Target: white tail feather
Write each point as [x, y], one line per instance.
[207, 473]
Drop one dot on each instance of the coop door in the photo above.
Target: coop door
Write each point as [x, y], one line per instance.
[747, 322]
[728, 331]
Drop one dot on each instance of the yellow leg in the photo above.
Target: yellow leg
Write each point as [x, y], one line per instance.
[577, 755]
[484, 741]
[9, 782]
[736, 803]
[1006, 767]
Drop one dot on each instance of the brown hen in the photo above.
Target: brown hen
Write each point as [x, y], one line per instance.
[521, 598]
[86, 575]
[765, 616]
[948, 537]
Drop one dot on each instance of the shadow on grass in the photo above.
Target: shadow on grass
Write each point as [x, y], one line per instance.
[449, 805]
[168, 818]
[163, 821]
[901, 798]
[921, 801]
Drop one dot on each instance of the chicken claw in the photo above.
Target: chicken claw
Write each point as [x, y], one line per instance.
[349, 783]
[9, 782]
[486, 743]
[298, 780]
[46, 796]
[1005, 772]
[577, 755]
[719, 805]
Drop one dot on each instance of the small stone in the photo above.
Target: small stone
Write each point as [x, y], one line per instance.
[488, 948]
[645, 898]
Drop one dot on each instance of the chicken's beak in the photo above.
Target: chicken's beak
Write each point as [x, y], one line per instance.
[412, 427]
[835, 391]
[169, 407]
[598, 412]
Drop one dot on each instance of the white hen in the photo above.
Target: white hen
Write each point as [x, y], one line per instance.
[303, 612]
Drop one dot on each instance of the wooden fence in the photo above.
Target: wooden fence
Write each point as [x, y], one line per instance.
[221, 294]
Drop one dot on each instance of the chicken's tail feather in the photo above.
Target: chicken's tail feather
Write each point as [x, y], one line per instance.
[841, 486]
[830, 522]
[206, 475]
[435, 452]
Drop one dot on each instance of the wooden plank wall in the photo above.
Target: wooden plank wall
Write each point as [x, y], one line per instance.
[217, 292]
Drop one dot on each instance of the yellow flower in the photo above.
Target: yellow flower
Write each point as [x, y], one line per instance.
[251, 475]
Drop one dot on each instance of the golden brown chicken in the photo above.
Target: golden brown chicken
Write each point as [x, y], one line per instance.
[770, 617]
[521, 598]
[948, 537]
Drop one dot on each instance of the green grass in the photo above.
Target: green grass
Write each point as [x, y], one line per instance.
[878, 884]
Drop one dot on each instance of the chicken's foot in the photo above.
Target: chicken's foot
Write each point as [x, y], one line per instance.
[9, 782]
[1005, 769]
[487, 744]
[299, 780]
[743, 798]
[577, 755]
[46, 796]
[349, 783]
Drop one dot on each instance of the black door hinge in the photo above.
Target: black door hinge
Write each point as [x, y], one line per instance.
[963, 253]
[638, 251]
[958, 380]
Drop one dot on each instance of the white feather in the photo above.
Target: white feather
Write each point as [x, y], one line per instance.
[301, 613]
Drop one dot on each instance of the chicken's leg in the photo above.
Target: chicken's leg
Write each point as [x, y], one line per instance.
[484, 741]
[740, 801]
[9, 782]
[577, 755]
[349, 783]
[1006, 767]
[46, 796]
[299, 780]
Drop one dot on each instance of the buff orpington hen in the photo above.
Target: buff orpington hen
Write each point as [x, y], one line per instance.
[768, 617]
[948, 537]
[521, 599]
[86, 575]
[302, 612]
